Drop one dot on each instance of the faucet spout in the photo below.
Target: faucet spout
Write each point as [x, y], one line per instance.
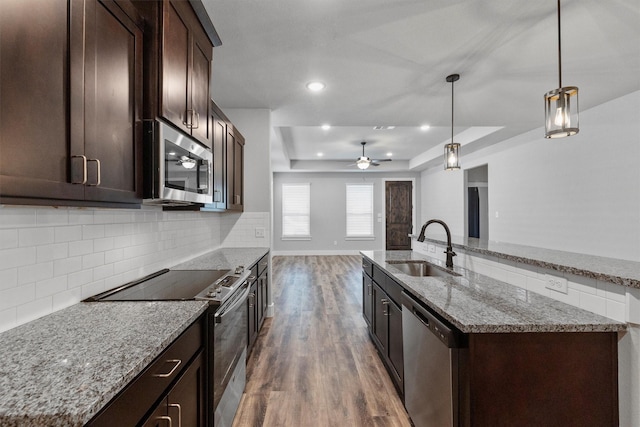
[450, 253]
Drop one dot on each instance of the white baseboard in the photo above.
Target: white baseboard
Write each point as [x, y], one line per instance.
[314, 253]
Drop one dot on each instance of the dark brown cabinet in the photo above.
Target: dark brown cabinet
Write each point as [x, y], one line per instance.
[382, 312]
[184, 404]
[258, 299]
[177, 67]
[228, 163]
[71, 102]
[235, 169]
[172, 388]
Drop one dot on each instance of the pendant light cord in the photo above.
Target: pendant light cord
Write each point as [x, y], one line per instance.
[452, 82]
[559, 49]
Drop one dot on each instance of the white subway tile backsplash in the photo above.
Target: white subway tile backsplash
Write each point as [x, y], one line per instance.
[17, 257]
[52, 252]
[92, 288]
[103, 272]
[8, 278]
[34, 309]
[92, 260]
[19, 295]
[7, 319]
[8, 239]
[582, 284]
[611, 291]
[68, 234]
[104, 244]
[67, 298]
[12, 217]
[35, 272]
[45, 288]
[80, 278]
[593, 303]
[92, 231]
[615, 310]
[35, 236]
[67, 265]
[113, 256]
[82, 247]
[48, 216]
[80, 216]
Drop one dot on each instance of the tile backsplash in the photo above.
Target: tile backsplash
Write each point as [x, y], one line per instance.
[51, 258]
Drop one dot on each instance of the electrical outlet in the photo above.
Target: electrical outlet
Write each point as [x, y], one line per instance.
[335, 243]
[558, 284]
[432, 248]
[259, 231]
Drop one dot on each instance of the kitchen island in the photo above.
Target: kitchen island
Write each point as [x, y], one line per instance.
[62, 369]
[519, 358]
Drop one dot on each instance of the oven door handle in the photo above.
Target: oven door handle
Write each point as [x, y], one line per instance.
[239, 300]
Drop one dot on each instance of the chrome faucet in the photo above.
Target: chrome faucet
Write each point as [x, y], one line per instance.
[449, 251]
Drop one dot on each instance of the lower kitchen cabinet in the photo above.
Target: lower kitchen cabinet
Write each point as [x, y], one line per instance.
[258, 299]
[185, 403]
[384, 317]
[170, 391]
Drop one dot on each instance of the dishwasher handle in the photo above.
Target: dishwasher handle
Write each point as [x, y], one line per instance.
[448, 334]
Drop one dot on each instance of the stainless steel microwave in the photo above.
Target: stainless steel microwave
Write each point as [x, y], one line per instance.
[177, 169]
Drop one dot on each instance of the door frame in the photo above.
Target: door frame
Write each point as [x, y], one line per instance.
[384, 207]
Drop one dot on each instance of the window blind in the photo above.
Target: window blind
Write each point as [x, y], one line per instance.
[360, 210]
[296, 208]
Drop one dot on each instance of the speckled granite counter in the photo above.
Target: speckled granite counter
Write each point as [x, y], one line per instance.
[621, 272]
[225, 258]
[478, 304]
[61, 369]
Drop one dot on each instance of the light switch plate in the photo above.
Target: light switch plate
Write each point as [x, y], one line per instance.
[558, 284]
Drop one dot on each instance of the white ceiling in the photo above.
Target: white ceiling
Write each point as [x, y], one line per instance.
[385, 61]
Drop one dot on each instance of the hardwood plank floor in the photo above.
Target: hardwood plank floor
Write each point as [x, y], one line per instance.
[313, 363]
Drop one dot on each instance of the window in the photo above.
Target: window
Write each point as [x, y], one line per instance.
[360, 211]
[296, 208]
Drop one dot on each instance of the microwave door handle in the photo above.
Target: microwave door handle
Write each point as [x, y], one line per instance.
[239, 301]
[209, 183]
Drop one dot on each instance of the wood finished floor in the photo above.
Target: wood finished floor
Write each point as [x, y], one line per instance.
[313, 363]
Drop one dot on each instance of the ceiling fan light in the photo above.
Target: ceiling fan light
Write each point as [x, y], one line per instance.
[561, 112]
[363, 163]
[451, 156]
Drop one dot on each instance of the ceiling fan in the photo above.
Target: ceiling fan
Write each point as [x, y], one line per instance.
[363, 162]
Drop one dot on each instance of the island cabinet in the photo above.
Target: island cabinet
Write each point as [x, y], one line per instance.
[170, 391]
[71, 104]
[383, 313]
[177, 67]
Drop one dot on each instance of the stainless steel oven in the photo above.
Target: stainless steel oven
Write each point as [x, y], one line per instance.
[177, 168]
[229, 343]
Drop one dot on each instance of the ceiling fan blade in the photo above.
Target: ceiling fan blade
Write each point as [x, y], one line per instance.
[382, 160]
[374, 164]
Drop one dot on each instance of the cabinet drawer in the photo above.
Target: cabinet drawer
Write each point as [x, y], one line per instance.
[263, 264]
[394, 290]
[131, 404]
[367, 266]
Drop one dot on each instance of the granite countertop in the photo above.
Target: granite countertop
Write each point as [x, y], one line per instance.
[621, 272]
[224, 259]
[61, 369]
[474, 303]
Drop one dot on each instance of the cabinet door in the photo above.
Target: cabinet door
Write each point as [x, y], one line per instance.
[380, 314]
[252, 331]
[395, 341]
[230, 169]
[236, 189]
[159, 417]
[41, 61]
[200, 79]
[186, 402]
[219, 162]
[176, 46]
[367, 299]
[113, 104]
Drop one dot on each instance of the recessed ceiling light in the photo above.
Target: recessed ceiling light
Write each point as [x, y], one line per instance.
[383, 127]
[315, 86]
[320, 154]
[326, 127]
[389, 154]
[424, 127]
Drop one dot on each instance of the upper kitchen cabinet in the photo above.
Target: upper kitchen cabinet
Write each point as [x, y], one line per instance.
[235, 169]
[178, 65]
[70, 111]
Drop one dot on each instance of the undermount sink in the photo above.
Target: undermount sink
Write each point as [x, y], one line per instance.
[421, 269]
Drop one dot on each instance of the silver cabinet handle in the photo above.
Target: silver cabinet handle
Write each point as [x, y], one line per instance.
[177, 363]
[385, 302]
[252, 296]
[84, 169]
[177, 405]
[369, 286]
[189, 123]
[164, 417]
[197, 125]
[97, 172]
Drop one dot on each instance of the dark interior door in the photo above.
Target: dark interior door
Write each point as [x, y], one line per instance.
[399, 206]
[474, 212]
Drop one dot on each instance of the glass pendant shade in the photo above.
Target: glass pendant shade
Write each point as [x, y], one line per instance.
[561, 112]
[451, 157]
[363, 163]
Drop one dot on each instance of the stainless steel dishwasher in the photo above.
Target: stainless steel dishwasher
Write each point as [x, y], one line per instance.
[434, 362]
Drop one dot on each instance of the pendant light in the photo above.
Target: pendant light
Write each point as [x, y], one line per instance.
[452, 149]
[561, 105]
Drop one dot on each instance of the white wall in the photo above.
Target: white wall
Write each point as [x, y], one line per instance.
[328, 211]
[254, 125]
[579, 194]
